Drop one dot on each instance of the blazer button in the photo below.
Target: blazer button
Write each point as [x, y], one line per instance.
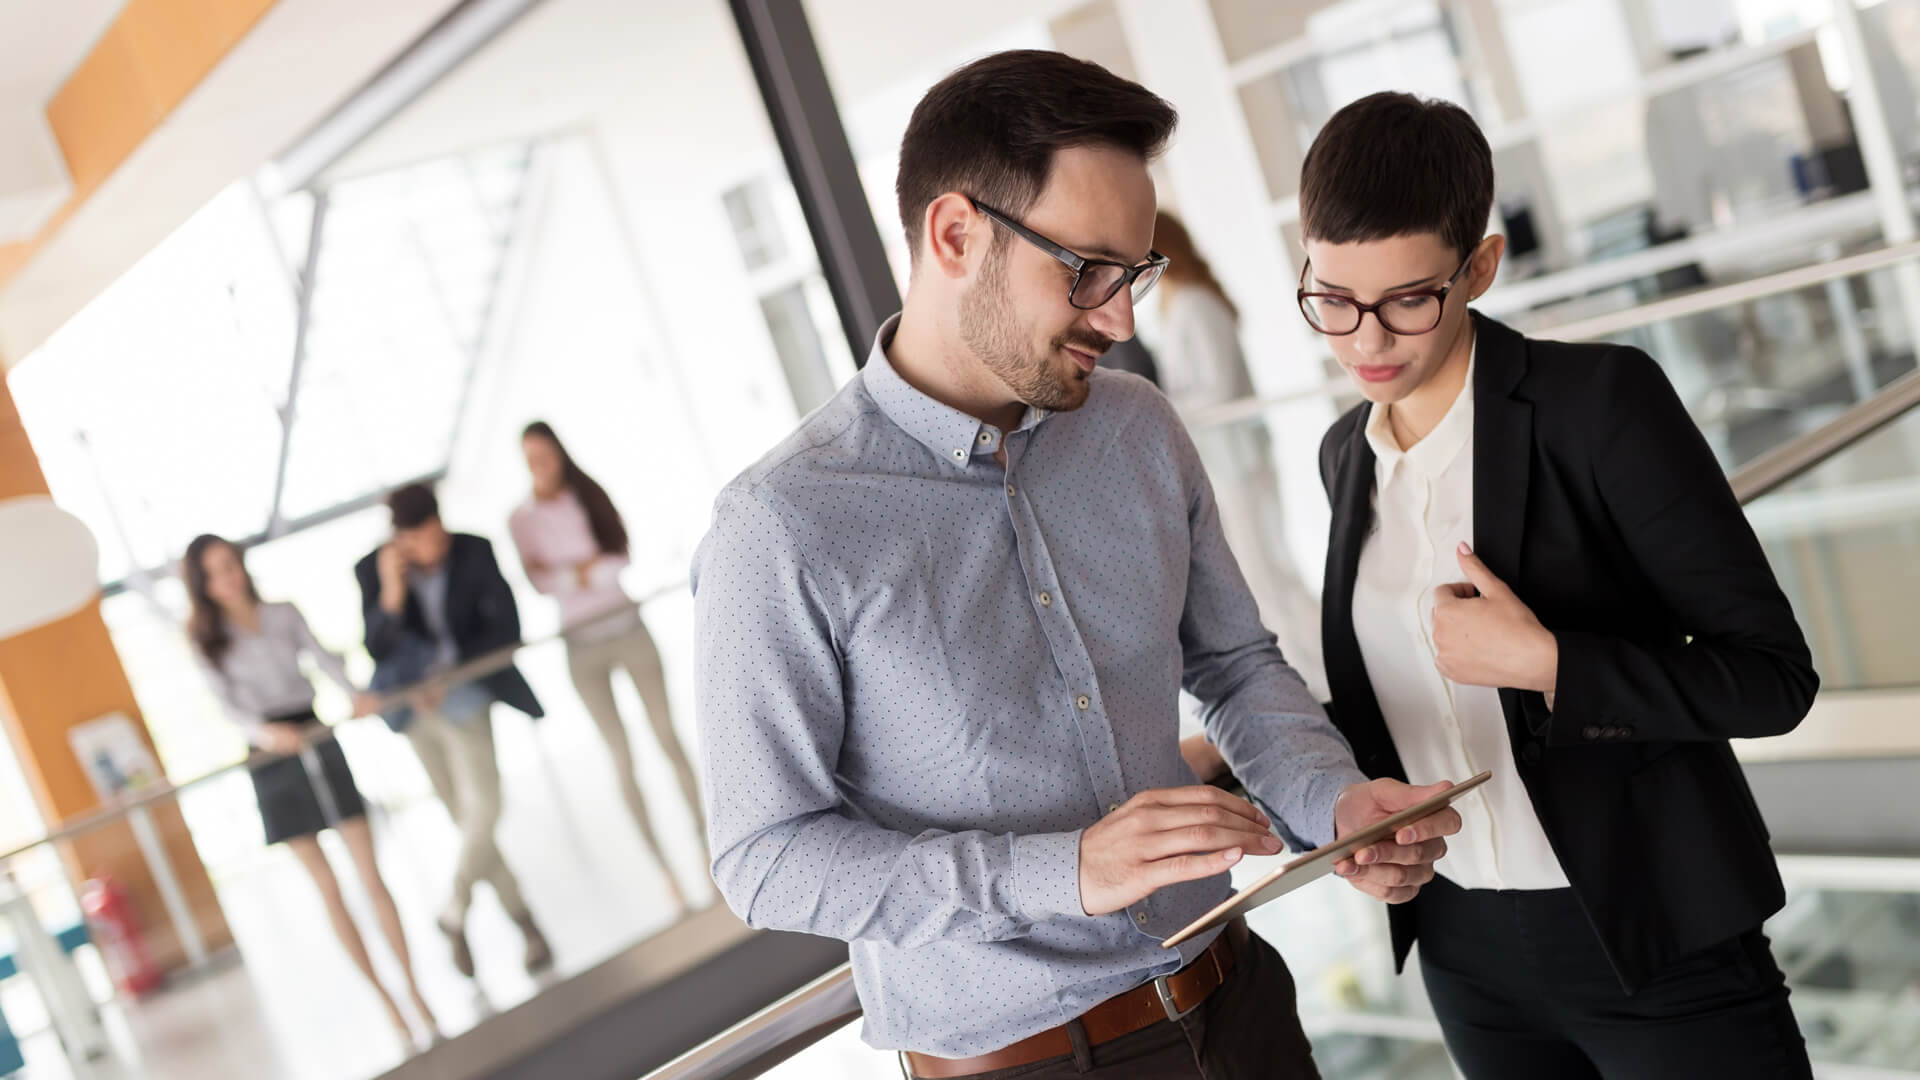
[1591, 731]
[1626, 731]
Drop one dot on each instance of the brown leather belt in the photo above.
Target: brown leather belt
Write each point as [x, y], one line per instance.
[1166, 998]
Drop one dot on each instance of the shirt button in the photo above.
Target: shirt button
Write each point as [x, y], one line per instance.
[1084, 702]
[959, 455]
[985, 438]
[1113, 808]
[1046, 599]
[1140, 917]
[1009, 491]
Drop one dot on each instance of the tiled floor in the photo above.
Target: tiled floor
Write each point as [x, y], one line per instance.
[291, 1006]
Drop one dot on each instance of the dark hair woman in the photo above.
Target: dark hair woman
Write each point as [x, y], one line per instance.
[251, 653]
[573, 545]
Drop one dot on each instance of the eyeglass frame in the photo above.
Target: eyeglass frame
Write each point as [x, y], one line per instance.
[1079, 263]
[1439, 293]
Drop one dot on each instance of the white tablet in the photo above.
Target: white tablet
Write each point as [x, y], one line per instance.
[1318, 863]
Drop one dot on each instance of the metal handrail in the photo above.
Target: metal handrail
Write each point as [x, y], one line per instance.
[1799, 456]
[486, 664]
[1739, 292]
[1240, 409]
[1765, 473]
[771, 1035]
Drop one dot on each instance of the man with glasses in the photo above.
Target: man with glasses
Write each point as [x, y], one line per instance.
[942, 630]
[1537, 568]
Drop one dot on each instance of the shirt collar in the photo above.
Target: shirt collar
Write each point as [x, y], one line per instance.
[1431, 455]
[949, 433]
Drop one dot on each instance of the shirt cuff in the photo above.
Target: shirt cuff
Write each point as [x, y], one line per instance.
[1327, 786]
[1046, 875]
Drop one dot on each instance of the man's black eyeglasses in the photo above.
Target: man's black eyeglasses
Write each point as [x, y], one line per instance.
[1095, 281]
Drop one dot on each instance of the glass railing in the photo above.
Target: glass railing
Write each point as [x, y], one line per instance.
[1844, 540]
[1849, 953]
[260, 982]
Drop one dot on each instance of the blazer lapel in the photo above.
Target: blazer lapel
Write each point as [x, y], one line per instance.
[1357, 709]
[1502, 464]
[1502, 448]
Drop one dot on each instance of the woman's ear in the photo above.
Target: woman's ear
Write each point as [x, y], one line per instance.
[1486, 264]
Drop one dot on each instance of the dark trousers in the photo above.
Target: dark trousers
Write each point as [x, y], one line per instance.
[1247, 1030]
[1522, 989]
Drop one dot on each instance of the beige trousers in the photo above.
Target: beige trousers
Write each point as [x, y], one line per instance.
[592, 664]
[460, 763]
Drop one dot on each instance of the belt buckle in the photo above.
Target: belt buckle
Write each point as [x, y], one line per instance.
[1165, 989]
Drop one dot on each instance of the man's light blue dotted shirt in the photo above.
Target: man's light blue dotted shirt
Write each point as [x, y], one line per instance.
[921, 675]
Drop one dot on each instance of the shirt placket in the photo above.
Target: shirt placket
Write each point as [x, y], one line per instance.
[1069, 651]
[1460, 754]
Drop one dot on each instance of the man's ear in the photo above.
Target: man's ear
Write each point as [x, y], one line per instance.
[950, 233]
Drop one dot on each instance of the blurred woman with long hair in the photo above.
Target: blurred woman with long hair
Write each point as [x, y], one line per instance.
[251, 652]
[1201, 365]
[573, 544]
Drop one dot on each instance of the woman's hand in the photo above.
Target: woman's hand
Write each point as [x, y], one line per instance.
[280, 739]
[1484, 635]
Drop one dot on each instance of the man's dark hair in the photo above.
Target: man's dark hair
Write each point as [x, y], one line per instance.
[412, 506]
[1392, 164]
[990, 129]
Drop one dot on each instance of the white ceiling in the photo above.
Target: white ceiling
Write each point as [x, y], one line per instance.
[295, 65]
[41, 41]
[569, 62]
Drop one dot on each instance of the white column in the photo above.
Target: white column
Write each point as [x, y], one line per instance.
[1882, 158]
[1870, 128]
[1219, 191]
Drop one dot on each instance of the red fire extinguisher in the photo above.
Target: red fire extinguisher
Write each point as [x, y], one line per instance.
[116, 933]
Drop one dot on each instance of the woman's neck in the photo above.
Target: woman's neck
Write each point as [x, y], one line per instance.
[1414, 417]
[246, 615]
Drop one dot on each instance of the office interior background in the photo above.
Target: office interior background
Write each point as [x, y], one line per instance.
[261, 262]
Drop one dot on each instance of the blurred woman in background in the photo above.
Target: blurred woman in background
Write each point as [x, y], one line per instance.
[251, 653]
[573, 544]
[1201, 366]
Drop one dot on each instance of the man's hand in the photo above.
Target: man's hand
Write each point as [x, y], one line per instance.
[1483, 635]
[429, 699]
[392, 565]
[1162, 837]
[1203, 758]
[1392, 870]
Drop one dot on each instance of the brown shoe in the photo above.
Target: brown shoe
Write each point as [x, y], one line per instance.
[457, 945]
[539, 954]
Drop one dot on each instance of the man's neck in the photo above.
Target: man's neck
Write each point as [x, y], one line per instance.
[1414, 417]
[927, 352]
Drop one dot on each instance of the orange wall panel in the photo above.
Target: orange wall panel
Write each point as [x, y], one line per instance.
[141, 69]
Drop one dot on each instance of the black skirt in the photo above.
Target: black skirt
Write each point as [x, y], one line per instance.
[289, 805]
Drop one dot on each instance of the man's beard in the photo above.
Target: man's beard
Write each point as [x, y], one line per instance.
[990, 329]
